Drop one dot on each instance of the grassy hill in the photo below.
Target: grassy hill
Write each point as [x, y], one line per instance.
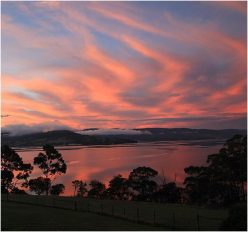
[108, 214]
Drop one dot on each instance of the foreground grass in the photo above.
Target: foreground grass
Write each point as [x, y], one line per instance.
[16, 216]
[163, 216]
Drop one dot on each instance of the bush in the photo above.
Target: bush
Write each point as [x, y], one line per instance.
[18, 191]
[237, 219]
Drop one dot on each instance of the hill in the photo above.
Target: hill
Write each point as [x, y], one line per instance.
[94, 136]
[61, 137]
[168, 134]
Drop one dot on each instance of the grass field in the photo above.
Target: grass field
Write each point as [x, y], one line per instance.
[17, 216]
[151, 216]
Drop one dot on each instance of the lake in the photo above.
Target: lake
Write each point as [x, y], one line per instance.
[103, 162]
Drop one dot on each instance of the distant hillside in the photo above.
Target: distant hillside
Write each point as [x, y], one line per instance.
[167, 134]
[61, 137]
[66, 137]
[186, 134]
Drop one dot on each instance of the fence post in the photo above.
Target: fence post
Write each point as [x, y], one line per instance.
[124, 212]
[101, 209]
[75, 205]
[7, 196]
[154, 217]
[112, 210]
[198, 221]
[137, 214]
[174, 221]
[88, 207]
[53, 202]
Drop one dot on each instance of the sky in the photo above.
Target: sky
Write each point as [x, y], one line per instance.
[79, 65]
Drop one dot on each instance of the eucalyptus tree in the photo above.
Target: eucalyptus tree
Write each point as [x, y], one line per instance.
[223, 180]
[51, 163]
[118, 188]
[97, 189]
[79, 188]
[141, 179]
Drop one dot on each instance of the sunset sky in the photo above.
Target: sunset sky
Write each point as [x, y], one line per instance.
[123, 64]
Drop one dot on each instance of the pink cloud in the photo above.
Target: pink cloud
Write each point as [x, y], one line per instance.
[144, 79]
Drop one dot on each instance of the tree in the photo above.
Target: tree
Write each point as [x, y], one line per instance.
[6, 180]
[18, 191]
[14, 172]
[51, 163]
[57, 189]
[75, 184]
[79, 188]
[197, 184]
[140, 179]
[169, 193]
[223, 180]
[118, 188]
[97, 189]
[229, 169]
[39, 185]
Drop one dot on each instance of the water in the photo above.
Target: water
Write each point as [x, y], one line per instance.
[103, 162]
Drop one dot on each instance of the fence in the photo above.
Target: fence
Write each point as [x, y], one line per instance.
[160, 216]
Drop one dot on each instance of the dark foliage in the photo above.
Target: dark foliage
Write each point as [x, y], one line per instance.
[14, 171]
[169, 193]
[39, 185]
[223, 180]
[57, 189]
[118, 188]
[141, 180]
[80, 189]
[16, 190]
[97, 190]
[51, 163]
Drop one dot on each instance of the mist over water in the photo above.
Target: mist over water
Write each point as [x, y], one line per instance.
[103, 162]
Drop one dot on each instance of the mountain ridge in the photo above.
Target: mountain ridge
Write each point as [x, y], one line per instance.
[60, 137]
[67, 137]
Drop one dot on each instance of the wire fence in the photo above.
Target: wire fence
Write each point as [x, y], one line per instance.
[135, 212]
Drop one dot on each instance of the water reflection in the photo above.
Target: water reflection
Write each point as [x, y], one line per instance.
[103, 162]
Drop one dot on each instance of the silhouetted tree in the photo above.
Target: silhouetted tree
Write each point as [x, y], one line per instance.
[169, 193]
[223, 180]
[39, 185]
[75, 184]
[50, 162]
[6, 180]
[118, 188]
[197, 184]
[18, 191]
[79, 188]
[97, 189]
[14, 172]
[57, 189]
[140, 179]
[229, 167]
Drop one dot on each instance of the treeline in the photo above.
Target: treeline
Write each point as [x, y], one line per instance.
[221, 182]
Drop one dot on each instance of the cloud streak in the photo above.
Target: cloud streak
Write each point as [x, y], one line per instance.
[117, 64]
